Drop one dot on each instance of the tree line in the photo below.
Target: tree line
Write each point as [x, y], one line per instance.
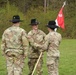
[28, 9]
[24, 5]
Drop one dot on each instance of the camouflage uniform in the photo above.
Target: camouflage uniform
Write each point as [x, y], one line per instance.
[52, 41]
[14, 46]
[34, 52]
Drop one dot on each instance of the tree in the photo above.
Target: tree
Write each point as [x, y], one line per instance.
[2, 2]
[45, 6]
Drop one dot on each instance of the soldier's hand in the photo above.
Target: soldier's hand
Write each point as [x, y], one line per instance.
[37, 45]
[28, 37]
[42, 50]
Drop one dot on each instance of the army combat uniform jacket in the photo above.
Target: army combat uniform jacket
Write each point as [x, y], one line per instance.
[52, 42]
[38, 37]
[14, 41]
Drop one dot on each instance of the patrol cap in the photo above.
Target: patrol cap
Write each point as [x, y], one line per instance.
[52, 25]
[34, 22]
[15, 19]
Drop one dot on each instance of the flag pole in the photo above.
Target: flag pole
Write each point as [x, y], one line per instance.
[36, 64]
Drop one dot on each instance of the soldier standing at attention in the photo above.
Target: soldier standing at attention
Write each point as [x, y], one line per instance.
[14, 46]
[38, 37]
[51, 45]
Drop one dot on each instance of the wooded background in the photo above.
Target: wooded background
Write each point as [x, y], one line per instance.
[43, 10]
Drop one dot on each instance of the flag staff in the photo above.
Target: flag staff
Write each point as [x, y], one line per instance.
[36, 63]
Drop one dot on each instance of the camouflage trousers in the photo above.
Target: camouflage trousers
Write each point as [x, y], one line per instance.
[52, 65]
[15, 65]
[31, 65]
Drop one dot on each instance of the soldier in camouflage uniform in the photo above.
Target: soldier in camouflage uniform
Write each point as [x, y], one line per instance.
[51, 44]
[38, 37]
[15, 46]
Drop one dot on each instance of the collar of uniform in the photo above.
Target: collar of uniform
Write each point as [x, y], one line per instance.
[33, 31]
[14, 26]
[51, 32]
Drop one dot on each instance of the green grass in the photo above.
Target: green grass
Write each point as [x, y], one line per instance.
[67, 64]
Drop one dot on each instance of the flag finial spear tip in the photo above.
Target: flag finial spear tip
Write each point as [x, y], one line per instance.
[64, 3]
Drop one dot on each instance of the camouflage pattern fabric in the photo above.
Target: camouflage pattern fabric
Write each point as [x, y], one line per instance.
[14, 46]
[31, 64]
[52, 42]
[52, 65]
[34, 52]
[38, 38]
[51, 45]
[15, 65]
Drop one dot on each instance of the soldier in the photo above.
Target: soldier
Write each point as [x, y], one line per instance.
[51, 44]
[38, 37]
[14, 46]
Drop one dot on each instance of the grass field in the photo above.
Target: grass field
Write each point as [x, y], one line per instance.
[67, 64]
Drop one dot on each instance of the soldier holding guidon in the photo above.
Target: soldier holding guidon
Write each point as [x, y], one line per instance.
[51, 45]
[38, 37]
